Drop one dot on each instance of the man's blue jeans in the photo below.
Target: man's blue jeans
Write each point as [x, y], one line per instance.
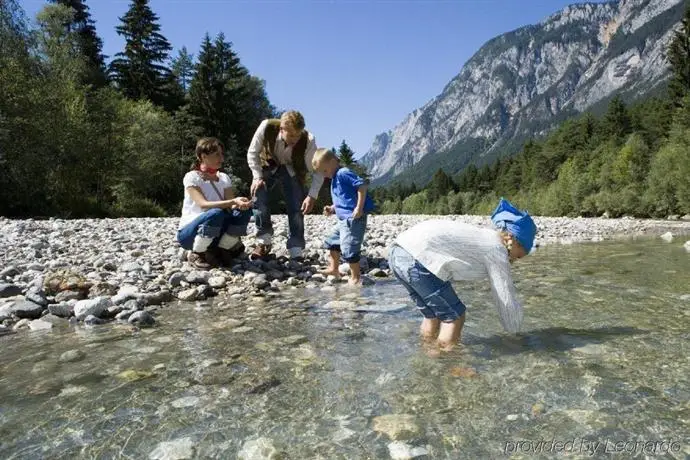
[294, 194]
[214, 223]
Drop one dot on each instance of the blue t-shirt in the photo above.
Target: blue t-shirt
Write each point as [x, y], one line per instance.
[344, 187]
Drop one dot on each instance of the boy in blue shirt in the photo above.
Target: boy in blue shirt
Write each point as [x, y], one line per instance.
[351, 204]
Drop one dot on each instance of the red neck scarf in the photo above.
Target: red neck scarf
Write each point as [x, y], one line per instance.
[212, 173]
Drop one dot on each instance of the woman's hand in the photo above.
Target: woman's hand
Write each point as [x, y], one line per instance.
[242, 203]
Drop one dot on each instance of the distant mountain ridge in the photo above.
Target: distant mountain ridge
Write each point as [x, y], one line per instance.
[523, 83]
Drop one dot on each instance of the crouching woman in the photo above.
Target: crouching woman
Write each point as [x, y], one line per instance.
[213, 220]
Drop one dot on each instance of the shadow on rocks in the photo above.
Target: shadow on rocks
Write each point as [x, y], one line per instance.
[553, 339]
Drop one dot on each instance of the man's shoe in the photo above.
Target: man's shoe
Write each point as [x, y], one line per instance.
[261, 251]
[227, 256]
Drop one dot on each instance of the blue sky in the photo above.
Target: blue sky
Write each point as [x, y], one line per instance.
[354, 68]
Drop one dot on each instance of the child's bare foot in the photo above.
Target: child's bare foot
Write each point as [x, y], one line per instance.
[331, 272]
[354, 281]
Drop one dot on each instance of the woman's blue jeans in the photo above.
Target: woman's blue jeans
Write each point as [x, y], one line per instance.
[214, 223]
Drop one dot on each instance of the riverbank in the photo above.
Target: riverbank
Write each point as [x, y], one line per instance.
[91, 271]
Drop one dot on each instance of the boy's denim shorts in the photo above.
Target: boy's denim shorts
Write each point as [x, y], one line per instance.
[347, 237]
[434, 297]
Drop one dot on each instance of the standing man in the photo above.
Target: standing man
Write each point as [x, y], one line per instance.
[282, 151]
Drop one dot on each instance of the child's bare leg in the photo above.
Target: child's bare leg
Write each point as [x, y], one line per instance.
[429, 328]
[355, 273]
[450, 332]
[333, 263]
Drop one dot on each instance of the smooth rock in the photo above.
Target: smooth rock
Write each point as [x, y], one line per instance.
[400, 451]
[9, 290]
[258, 449]
[217, 282]
[71, 356]
[198, 277]
[141, 319]
[178, 449]
[26, 309]
[92, 320]
[95, 307]
[397, 426]
[668, 237]
[63, 310]
[188, 295]
[40, 325]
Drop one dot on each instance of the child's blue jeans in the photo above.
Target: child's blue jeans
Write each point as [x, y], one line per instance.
[213, 224]
[347, 237]
[434, 297]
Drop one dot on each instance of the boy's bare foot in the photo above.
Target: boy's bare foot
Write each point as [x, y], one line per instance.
[354, 281]
[331, 272]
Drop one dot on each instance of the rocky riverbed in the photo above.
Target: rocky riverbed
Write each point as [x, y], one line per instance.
[92, 271]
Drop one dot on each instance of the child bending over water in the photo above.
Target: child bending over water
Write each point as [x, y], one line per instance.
[427, 256]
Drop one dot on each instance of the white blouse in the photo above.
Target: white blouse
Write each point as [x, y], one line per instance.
[458, 251]
[190, 210]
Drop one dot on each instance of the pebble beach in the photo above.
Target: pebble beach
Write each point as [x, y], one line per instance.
[90, 272]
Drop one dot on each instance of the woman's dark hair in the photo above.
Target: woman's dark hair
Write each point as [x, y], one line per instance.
[206, 146]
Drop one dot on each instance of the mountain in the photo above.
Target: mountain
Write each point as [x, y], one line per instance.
[523, 83]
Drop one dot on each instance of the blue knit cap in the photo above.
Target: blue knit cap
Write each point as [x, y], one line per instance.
[517, 223]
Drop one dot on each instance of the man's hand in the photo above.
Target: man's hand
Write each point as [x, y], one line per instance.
[327, 210]
[243, 203]
[357, 213]
[308, 205]
[256, 185]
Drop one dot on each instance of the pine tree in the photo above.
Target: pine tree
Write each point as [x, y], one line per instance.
[228, 101]
[346, 155]
[678, 56]
[183, 68]
[617, 123]
[140, 71]
[347, 159]
[90, 45]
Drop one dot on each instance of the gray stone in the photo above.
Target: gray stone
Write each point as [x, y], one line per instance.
[91, 320]
[188, 295]
[260, 448]
[156, 298]
[124, 315]
[9, 290]
[399, 450]
[95, 307]
[64, 296]
[63, 310]
[198, 277]
[175, 279]
[37, 298]
[130, 267]
[40, 325]
[9, 271]
[340, 305]
[141, 319]
[178, 449]
[217, 282]
[71, 356]
[377, 272]
[26, 309]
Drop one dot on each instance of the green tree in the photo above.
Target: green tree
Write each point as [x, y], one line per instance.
[88, 41]
[183, 68]
[441, 184]
[228, 102]
[678, 56]
[140, 71]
